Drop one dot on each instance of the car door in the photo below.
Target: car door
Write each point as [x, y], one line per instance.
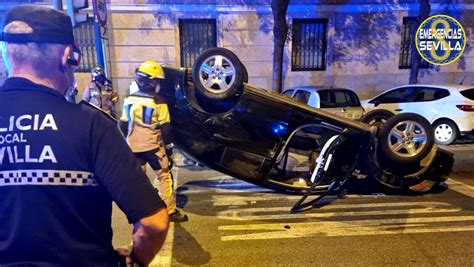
[425, 101]
[340, 102]
[353, 109]
[391, 100]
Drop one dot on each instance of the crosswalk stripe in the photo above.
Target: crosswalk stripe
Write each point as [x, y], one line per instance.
[461, 188]
[348, 228]
[235, 200]
[249, 214]
[163, 258]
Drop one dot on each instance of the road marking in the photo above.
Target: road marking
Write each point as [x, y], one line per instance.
[462, 188]
[333, 210]
[349, 228]
[235, 200]
[164, 256]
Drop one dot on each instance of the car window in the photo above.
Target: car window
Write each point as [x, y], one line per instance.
[400, 95]
[424, 94]
[288, 93]
[326, 99]
[352, 98]
[469, 93]
[302, 96]
[337, 98]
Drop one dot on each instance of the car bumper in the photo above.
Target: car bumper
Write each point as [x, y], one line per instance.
[466, 125]
[471, 132]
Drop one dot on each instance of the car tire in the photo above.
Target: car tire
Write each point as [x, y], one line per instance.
[445, 132]
[406, 138]
[218, 74]
[376, 117]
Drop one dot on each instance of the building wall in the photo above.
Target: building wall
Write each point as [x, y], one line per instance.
[363, 40]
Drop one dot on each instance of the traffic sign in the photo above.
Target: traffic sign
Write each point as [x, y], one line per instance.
[100, 11]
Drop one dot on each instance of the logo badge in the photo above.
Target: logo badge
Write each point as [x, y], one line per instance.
[440, 40]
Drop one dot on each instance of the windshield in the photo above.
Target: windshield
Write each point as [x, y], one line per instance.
[469, 93]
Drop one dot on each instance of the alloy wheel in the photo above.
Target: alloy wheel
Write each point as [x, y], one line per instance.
[217, 74]
[407, 139]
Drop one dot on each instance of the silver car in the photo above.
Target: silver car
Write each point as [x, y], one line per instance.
[339, 101]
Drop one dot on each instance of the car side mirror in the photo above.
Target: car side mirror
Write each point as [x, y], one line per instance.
[376, 103]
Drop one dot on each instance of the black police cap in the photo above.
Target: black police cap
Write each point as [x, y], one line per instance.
[49, 26]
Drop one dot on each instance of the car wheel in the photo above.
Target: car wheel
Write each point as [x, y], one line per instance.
[376, 117]
[445, 132]
[218, 74]
[406, 138]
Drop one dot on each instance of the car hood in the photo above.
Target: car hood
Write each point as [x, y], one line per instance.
[365, 103]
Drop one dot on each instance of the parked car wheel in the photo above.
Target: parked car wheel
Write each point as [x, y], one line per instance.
[218, 74]
[445, 132]
[376, 117]
[406, 138]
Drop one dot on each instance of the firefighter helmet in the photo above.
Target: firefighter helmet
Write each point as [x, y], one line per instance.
[148, 75]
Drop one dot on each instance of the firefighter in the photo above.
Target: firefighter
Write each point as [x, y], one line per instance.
[145, 122]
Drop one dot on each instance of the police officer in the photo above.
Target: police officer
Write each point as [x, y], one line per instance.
[100, 93]
[145, 122]
[62, 164]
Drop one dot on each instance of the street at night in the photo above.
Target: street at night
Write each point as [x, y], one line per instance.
[236, 133]
[234, 223]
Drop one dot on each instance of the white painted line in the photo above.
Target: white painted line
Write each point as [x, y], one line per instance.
[235, 200]
[164, 256]
[350, 228]
[251, 214]
[461, 188]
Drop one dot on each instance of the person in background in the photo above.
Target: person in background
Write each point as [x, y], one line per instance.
[145, 122]
[100, 93]
[70, 159]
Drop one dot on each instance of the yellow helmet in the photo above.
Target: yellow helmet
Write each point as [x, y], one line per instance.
[151, 70]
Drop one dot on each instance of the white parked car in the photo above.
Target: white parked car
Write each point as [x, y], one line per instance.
[339, 101]
[449, 108]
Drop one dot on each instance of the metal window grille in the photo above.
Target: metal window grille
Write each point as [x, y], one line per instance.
[407, 43]
[308, 44]
[195, 36]
[84, 33]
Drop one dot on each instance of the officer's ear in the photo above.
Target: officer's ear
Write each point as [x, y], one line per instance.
[63, 57]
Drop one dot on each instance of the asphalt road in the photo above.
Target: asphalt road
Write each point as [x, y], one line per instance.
[233, 223]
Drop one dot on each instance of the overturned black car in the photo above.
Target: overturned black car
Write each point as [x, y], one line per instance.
[226, 124]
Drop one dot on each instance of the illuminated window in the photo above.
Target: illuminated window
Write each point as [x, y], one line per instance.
[195, 36]
[408, 41]
[84, 34]
[308, 44]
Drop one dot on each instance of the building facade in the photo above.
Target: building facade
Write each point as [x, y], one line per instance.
[363, 45]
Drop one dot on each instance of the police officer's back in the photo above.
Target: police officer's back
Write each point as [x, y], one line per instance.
[62, 164]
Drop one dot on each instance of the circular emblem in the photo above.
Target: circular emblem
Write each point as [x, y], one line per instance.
[440, 40]
[100, 11]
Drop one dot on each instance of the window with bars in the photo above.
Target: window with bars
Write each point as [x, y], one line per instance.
[308, 44]
[407, 42]
[84, 34]
[195, 36]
